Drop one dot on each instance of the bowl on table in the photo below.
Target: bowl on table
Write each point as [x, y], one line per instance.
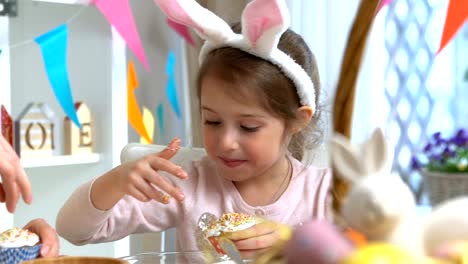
[192, 257]
[76, 260]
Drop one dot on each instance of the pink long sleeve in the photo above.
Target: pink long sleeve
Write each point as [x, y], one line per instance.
[80, 223]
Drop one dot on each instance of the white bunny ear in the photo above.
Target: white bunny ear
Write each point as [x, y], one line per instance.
[346, 159]
[377, 155]
[263, 23]
[188, 12]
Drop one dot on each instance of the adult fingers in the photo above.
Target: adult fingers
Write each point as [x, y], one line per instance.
[24, 185]
[11, 195]
[2, 194]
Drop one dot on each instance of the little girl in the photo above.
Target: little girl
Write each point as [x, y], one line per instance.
[258, 92]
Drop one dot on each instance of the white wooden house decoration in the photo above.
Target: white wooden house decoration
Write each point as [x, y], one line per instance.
[7, 125]
[79, 140]
[35, 131]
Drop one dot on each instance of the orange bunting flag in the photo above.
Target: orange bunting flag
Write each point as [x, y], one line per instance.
[457, 14]
[134, 114]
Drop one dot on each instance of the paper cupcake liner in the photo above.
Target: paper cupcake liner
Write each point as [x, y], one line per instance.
[19, 254]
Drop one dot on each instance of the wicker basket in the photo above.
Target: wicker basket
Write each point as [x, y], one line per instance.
[442, 186]
[76, 260]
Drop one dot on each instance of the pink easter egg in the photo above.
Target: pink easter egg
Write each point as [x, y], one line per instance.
[317, 242]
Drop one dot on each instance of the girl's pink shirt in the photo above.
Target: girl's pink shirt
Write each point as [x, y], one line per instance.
[81, 223]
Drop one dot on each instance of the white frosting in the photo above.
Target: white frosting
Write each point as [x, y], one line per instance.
[18, 237]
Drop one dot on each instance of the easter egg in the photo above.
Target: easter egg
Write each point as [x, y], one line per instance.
[457, 252]
[383, 254]
[316, 242]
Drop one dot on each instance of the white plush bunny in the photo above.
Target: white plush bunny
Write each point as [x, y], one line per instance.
[382, 207]
[379, 205]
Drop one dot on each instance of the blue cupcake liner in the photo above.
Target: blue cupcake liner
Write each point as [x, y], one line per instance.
[19, 254]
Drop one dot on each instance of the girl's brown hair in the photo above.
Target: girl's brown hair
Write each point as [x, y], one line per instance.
[269, 86]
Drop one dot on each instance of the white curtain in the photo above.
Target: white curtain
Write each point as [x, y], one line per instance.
[325, 26]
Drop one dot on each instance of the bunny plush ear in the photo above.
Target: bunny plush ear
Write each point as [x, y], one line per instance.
[188, 12]
[346, 159]
[263, 23]
[378, 155]
[354, 162]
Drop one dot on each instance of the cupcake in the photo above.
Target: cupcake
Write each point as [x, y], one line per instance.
[17, 245]
[212, 239]
[229, 222]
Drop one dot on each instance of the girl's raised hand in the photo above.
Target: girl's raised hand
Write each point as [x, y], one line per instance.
[140, 179]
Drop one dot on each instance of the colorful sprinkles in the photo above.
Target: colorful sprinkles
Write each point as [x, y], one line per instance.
[18, 235]
[230, 222]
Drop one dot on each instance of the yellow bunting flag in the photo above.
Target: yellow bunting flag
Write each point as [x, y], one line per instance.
[148, 121]
[134, 114]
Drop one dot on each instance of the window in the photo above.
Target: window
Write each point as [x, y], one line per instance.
[424, 93]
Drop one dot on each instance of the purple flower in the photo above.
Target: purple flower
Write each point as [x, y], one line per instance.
[436, 157]
[441, 154]
[427, 148]
[461, 133]
[448, 152]
[459, 141]
[415, 164]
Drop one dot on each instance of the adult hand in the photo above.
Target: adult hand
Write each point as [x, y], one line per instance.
[259, 238]
[15, 182]
[49, 239]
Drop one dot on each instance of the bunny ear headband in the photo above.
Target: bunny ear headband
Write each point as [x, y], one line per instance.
[263, 23]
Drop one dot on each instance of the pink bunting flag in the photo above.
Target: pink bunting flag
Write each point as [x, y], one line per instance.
[119, 14]
[182, 31]
[457, 14]
[382, 4]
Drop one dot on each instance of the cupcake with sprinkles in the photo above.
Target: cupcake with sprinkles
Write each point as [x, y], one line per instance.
[230, 222]
[17, 245]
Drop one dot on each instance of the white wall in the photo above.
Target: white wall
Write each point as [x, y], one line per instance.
[325, 26]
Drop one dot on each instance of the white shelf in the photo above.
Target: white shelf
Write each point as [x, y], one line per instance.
[61, 160]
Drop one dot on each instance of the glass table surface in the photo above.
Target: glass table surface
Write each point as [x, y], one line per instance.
[194, 257]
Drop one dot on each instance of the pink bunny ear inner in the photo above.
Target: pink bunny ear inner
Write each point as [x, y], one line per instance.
[262, 15]
[175, 11]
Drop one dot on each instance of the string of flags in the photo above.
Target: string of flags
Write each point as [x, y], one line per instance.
[144, 124]
[53, 46]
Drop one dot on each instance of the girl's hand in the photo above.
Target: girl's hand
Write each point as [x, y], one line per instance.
[139, 179]
[14, 183]
[49, 239]
[259, 238]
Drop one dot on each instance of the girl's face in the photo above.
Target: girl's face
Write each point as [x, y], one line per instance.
[243, 139]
